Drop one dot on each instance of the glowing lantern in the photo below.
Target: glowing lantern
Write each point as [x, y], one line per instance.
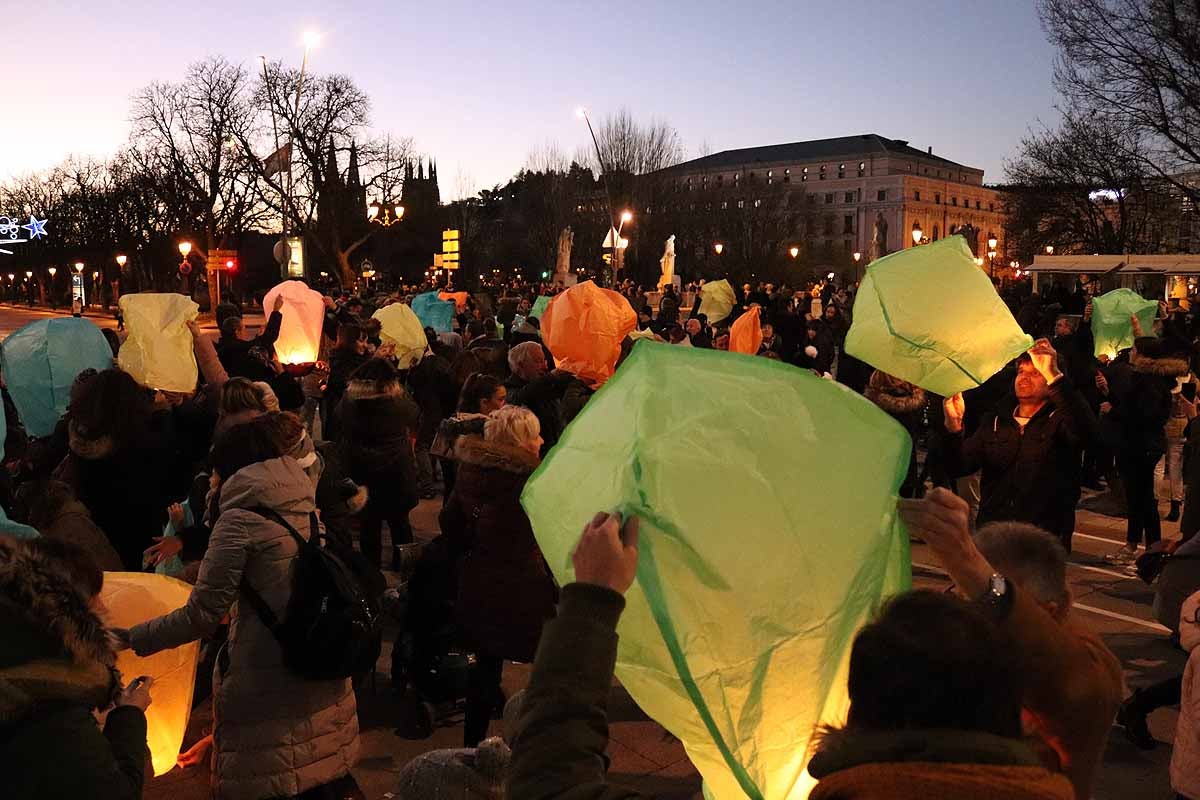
[459, 298]
[41, 360]
[402, 328]
[539, 306]
[738, 645]
[135, 597]
[930, 316]
[1111, 327]
[584, 326]
[716, 300]
[158, 351]
[745, 335]
[303, 312]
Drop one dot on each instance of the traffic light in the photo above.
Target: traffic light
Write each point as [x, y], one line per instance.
[545, 275]
[231, 264]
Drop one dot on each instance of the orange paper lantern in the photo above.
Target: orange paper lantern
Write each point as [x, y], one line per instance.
[459, 298]
[584, 327]
[303, 311]
[745, 335]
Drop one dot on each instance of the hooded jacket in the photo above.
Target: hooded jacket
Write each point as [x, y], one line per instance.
[56, 666]
[1185, 758]
[376, 447]
[505, 590]
[276, 734]
[1031, 475]
[1141, 405]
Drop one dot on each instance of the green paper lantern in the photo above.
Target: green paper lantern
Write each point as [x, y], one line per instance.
[1111, 327]
[539, 307]
[758, 563]
[929, 315]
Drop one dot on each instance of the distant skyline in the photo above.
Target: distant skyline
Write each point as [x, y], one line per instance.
[481, 85]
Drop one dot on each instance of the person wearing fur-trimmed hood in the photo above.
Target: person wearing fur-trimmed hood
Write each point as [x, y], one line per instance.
[904, 402]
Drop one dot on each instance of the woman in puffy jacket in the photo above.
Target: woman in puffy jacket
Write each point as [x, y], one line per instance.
[276, 734]
[1185, 760]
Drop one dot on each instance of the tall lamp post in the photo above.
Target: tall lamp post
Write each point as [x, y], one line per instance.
[857, 256]
[53, 271]
[121, 260]
[991, 241]
[614, 226]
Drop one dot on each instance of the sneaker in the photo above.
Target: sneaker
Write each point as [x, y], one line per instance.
[1126, 555]
[1133, 721]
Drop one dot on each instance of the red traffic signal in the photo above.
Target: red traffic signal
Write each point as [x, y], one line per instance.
[231, 264]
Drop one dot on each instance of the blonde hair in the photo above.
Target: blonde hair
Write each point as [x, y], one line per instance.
[270, 401]
[514, 425]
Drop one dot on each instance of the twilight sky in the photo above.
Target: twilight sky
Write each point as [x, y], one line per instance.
[481, 84]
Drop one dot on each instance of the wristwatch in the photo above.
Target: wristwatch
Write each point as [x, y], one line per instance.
[998, 599]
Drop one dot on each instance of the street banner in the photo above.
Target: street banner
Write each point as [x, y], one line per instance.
[755, 572]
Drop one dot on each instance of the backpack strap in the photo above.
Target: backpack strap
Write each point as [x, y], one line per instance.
[256, 600]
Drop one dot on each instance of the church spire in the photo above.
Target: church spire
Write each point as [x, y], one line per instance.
[352, 178]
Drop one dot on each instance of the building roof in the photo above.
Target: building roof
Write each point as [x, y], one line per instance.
[813, 150]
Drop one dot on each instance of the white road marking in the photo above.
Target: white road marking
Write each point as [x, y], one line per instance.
[1154, 626]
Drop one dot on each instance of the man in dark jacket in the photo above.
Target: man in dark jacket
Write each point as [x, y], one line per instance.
[1029, 449]
[530, 385]
[246, 357]
[347, 355]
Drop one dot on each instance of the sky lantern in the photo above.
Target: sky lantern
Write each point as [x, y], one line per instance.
[158, 350]
[928, 315]
[716, 300]
[434, 312]
[584, 326]
[402, 329]
[1111, 327]
[745, 335]
[135, 597]
[459, 298]
[303, 311]
[737, 631]
[41, 360]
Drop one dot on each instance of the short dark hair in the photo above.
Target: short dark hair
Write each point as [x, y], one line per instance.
[111, 403]
[1034, 559]
[479, 387]
[252, 442]
[354, 301]
[349, 332]
[932, 660]
[230, 326]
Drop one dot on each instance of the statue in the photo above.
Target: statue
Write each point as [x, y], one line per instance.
[879, 247]
[668, 263]
[562, 265]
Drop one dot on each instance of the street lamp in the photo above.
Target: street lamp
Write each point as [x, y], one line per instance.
[121, 259]
[718, 248]
[992, 257]
[391, 213]
[978, 261]
[917, 233]
[1049, 249]
[794, 251]
[53, 271]
[857, 256]
[79, 267]
[185, 247]
[991, 241]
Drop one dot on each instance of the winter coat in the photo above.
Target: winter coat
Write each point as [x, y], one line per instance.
[56, 665]
[251, 358]
[276, 734]
[505, 591]
[124, 489]
[376, 448]
[1185, 759]
[493, 354]
[904, 402]
[543, 396]
[1142, 405]
[930, 765]
[342, 363]
[1031, 475]
[72, 523]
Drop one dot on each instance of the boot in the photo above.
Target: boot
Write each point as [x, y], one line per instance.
[1173, 515]
[1131, 717]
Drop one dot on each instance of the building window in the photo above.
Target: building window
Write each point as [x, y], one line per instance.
[705, 180]
[849, 197]
[848, 223]
[847, 245]
[881, 195]
[991, 206]
[812, 199]
[822, 172]
[977, 205]
[916, 194]
[720, 180]
[953, 201]
[953, 228]
[724, 204]
[841, 170]
[787, 176]
[862, 168]
[937, 198]
[828, 230]
[757, 203]
[935, 233]
[828, 198]
[804, 175]
[741, 203]
[926, 170]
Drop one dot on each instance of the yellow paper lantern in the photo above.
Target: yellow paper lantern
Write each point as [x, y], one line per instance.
[303, 311]
[135, 597]
[402, 328]
[158, 351]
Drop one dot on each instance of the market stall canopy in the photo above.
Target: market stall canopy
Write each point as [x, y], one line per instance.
[158, 350]
[41, 360]
[737, 632]
[929, 315]
[303, 313]
[1124, 264]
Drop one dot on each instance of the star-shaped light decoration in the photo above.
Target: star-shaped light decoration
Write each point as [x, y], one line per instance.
[36, 227]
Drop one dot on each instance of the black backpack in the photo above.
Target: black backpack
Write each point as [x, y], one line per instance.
[332, 627]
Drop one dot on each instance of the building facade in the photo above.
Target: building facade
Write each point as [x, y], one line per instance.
[855, 189]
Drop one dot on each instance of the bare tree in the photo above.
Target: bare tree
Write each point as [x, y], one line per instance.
[549, 157]
[636, 148]
[1136, 63]
[1085, 187]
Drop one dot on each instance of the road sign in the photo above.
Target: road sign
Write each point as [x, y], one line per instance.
[222, 259]
[450, 249]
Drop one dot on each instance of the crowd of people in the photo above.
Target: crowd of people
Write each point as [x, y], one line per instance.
[992, 691]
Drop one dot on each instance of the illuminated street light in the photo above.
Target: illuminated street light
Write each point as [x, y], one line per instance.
[53, 271]
[857, 256]
[1049, 249]
[28, 273]
[719, 248]
[185, 247]
[794, 251]
[311, 39]
[991, 241]
[79, 267]
[917, 233]
[121, 259]
[626, 216]
[978, 261]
